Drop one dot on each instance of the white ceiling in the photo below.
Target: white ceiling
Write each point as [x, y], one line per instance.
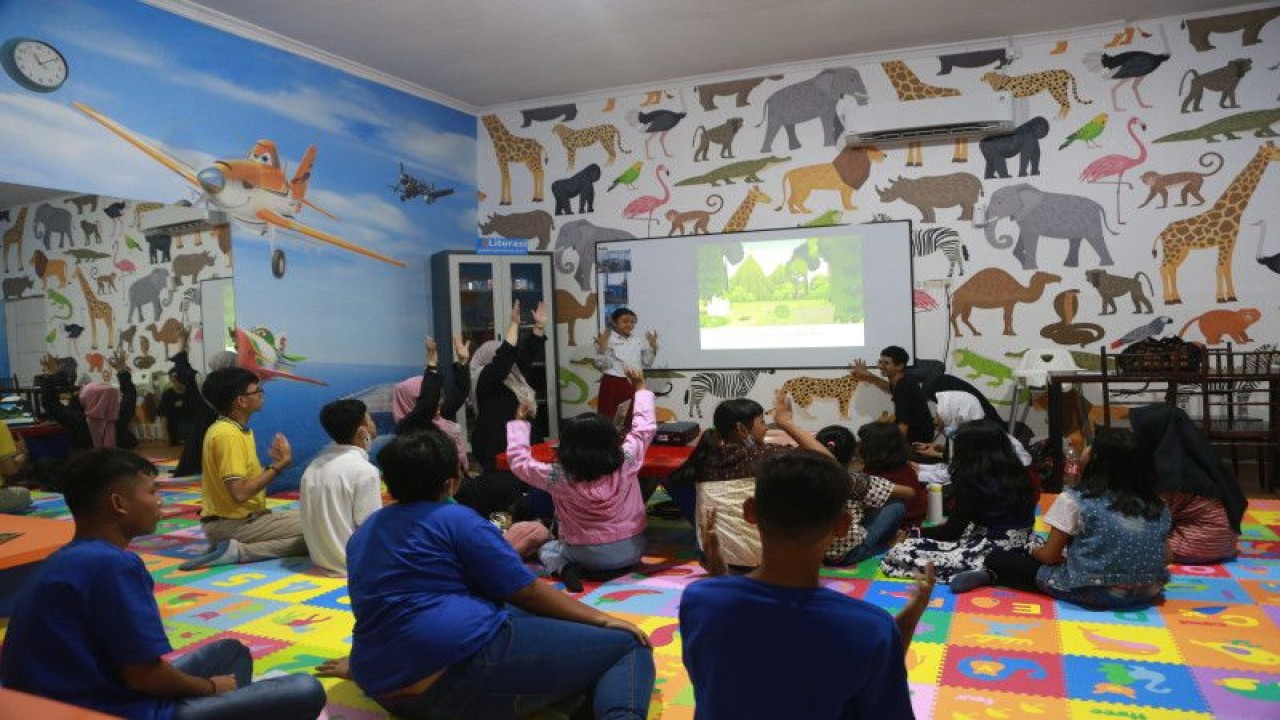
[483, 53]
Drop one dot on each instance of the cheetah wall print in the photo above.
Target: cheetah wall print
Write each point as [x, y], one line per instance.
[804, 390]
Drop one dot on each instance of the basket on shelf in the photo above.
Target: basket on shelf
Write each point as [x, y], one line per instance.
[1170, 354]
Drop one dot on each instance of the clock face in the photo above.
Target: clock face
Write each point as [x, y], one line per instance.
[35, 65]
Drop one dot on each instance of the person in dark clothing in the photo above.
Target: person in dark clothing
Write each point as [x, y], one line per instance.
[435, 397]
[498, 388]
[951, 383]
[910, 411]
[71, 415]
[181, 408]
[202, 412]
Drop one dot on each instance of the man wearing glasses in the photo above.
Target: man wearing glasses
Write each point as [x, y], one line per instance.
[236, 521]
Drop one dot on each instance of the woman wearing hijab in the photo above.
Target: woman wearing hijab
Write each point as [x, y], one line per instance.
[1204, 500]
[955, 408]
[99, 415]
[421, 402]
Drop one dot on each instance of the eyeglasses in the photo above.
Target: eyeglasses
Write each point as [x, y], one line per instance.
[259, 391]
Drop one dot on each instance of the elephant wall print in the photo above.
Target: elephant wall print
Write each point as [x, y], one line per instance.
[812, 99]
[581, 237]
[50, 220]
[1023, 143]
[1045, 214]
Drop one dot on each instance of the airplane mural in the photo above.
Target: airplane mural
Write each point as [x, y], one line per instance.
[409, 187]
[253, 190]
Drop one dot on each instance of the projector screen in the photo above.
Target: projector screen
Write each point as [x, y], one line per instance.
[791, 298]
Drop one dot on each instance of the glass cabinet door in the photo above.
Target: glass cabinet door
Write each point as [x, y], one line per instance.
[528, 285]
[475, 295]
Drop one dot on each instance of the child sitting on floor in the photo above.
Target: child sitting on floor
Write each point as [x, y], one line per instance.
[995, 505]
[722, 470]
[886, 454]
[86, 629]
[774, 643]
[875, 505]
[1106, 535]
[594, 487]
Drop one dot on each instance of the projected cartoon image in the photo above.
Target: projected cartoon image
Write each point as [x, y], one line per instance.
[805, 292]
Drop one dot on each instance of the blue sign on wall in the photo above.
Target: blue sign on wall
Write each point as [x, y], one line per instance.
[501, 246]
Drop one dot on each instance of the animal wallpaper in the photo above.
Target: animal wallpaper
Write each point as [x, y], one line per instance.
[1131, 200]
[108, 281]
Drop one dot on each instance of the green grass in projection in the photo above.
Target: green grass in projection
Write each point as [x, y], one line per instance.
[779, 283]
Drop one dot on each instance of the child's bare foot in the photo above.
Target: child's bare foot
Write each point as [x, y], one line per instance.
[902, 535]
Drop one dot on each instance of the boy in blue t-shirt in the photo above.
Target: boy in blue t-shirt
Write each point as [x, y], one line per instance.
[86, 629]
[774, 643]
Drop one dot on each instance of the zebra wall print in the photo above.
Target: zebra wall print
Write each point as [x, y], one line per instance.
[927, 241]
[723, 385]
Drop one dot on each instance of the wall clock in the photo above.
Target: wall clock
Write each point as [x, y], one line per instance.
[34, 64]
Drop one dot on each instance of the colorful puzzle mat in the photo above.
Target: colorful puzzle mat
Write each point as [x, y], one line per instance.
[1211, 650]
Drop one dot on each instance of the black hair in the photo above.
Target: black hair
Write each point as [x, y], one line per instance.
[840, 441]
[222, 387]
[799, 494]
[884, 447]
[590, 447]
[729, 414]
[1123, 469]
[984, 463]
[896, 354]
[342, 419]
[87, 476]
[620, 313]
[416, 466]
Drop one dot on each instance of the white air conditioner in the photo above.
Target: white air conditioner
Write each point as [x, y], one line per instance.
[930, 119]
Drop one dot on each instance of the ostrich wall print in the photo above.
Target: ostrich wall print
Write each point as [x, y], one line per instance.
[1116, 165]
[644, 205]
[1271, 262]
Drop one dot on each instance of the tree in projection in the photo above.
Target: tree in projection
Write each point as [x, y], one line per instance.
[713, 275]
[749, 283]
[844, 262]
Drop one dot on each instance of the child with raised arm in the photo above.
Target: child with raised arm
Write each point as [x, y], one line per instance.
[722, 469]
[618, 349]
[1106, 546]
[776, 644]
[594, 487]
[875, 505]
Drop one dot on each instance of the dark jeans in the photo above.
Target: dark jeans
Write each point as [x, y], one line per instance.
[882, 525]
[534, 662]
[1014, 569]
[278, 698]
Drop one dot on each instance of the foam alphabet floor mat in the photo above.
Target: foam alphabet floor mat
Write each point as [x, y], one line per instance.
[1211, 650]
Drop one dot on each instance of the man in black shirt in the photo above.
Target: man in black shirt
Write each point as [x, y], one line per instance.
[910, 411]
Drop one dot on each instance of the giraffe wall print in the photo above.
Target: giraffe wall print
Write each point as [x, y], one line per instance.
[99, 311]
[738, 221]
[514, 149]
[1219, 226]
[13, 238]
[909, 86]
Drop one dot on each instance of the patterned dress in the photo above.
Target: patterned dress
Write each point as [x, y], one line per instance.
[977, 525]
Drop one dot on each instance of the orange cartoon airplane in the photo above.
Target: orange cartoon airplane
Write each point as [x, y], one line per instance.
[260, 360]
[252, 190]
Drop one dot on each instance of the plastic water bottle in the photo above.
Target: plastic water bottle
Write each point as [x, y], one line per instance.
[1070, 463]
[935, 504]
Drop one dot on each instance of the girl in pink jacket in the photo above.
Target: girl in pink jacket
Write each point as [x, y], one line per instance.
[594, 486]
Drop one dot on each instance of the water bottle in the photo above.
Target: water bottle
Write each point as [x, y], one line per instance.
[935, 504]
[1070, 463]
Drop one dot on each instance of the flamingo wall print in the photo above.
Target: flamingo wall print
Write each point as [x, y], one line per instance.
[646, 204]
[1116, 165]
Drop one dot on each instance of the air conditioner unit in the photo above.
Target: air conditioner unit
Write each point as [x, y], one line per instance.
[931, 119]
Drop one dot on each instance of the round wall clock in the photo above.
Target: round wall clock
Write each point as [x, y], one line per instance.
[34, 64]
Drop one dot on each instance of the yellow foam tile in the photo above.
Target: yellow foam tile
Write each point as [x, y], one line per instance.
[1148, 644]
[1091, 710]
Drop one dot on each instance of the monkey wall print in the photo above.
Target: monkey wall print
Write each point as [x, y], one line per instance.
[697, 219]
[1190, 180]
[1223, 80]
[1110, 287]
[1214, 324]
[722, 135]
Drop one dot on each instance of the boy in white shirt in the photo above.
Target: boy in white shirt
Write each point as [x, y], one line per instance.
[340, 488]
[617, 350]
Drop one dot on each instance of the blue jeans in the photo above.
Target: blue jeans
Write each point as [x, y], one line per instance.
[882, 524]
[603, 557]
[533, 662]
[279, 698]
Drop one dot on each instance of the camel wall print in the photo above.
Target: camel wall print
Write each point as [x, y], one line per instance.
[1125, 138]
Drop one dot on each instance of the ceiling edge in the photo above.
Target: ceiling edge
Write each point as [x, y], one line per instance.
[235, 26]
